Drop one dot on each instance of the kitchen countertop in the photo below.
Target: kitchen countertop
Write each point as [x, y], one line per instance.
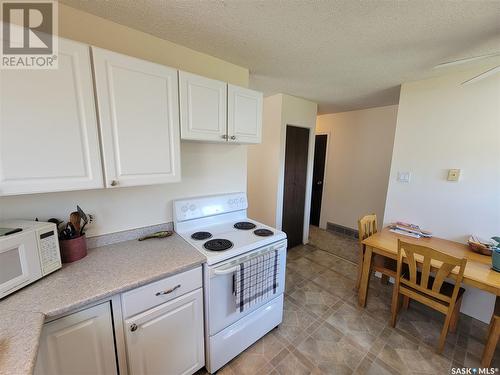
[104, 272]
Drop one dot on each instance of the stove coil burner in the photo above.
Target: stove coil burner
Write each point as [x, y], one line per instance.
[245, 225]
[201, 235]
[218, 244]
[263, 232]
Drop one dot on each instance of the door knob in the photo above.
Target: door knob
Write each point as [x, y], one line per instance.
[319, 183]
[133, 327]
[233, 137]
[224, 136]
[114, 183]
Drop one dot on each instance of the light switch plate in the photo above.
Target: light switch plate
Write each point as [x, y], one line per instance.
[453, 174]
[404, 177]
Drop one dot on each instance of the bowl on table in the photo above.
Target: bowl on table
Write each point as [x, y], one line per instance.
[480, 248]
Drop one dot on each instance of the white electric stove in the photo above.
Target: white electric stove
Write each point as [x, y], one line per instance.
[219, 228]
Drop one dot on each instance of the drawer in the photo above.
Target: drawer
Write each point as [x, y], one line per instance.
[154, 294]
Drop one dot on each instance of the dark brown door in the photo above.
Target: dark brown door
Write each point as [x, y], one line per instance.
[318, 177]
[294, 195]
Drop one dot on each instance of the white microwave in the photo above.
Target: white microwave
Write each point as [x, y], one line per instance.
[28, 253]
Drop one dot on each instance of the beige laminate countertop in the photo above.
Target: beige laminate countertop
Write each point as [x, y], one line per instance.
[104, 272]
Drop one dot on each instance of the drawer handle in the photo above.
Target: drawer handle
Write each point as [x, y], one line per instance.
[168, 291]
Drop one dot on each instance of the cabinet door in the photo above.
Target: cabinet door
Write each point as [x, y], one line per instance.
[48, 128]
[80, 343]
[203, 108]
[244, 115]
[167, 339]
[139, 119]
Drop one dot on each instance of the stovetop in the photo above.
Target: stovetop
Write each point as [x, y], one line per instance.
[211, 223]
[242, 240]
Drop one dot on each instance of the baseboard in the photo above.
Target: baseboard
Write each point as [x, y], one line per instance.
[342, 230]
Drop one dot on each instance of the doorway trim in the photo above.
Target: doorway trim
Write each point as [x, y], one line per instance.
[281, 179]
[325, 175]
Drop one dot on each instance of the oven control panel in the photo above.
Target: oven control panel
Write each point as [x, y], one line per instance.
[195, 208]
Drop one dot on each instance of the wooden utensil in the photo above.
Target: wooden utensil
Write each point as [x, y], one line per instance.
[161, 234]
[75, 219]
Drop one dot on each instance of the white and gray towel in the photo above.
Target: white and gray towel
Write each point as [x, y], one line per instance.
[256, 280]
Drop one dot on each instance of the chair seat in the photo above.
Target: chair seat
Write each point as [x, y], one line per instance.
[446, 288]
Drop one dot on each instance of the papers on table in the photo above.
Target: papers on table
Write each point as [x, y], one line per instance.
[410, 230]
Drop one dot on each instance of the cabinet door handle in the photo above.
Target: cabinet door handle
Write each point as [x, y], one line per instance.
[168, 291]
[233, 137]
[133, 327]
[224, 136]
[114, 183]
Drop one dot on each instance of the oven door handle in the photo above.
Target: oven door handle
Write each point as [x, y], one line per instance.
[226, 270]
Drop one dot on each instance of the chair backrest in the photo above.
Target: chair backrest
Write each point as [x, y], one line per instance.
[431, 260]
[367, 226]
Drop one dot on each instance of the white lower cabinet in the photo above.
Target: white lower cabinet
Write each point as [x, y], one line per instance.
[167, 339]
[156, 329]
[80, 343]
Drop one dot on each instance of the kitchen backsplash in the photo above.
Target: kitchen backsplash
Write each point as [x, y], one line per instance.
[126, 235]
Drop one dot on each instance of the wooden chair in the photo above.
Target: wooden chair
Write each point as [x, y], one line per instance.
[493, 335]
[367, 226]
[424, 288]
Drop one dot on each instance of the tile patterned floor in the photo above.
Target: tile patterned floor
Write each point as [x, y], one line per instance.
[325, 332]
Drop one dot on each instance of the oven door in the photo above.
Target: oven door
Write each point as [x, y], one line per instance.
[19, 262]
[221, 304]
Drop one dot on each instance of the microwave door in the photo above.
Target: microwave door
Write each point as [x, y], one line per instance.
[19, 262]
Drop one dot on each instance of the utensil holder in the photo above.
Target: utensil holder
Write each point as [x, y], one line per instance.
[73, 249]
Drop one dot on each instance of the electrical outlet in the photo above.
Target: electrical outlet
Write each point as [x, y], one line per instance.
[453, 174]
[404, 177]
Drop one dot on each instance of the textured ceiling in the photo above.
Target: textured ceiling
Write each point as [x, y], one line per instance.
[343, 55]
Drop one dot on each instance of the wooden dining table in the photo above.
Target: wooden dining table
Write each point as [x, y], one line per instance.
[478, 272]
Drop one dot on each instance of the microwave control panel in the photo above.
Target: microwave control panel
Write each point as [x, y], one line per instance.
[50, 258]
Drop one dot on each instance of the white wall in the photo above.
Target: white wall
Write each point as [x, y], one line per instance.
[263, 164]
[266, 162]
[443, 125]
[206, 168]
[358, 163]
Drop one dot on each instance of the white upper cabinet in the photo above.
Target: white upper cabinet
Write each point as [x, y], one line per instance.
[244, 115]
[139, 119]
[48, 129]
[203, 108]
